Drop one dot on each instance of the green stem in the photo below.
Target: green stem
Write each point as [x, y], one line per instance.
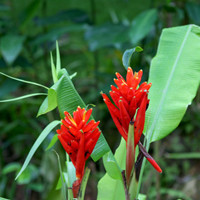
[125, 186]
[156, 156]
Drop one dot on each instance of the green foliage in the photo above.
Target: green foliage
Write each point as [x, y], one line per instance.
[108, 184]
[49, 103]
[37, 143]
[91, 44]
[10, 47]
[84, 184]
[126, 59]
[63, 185]
[142, 25]
[171, 79]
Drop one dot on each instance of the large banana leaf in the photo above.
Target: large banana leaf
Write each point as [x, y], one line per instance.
[175, 78]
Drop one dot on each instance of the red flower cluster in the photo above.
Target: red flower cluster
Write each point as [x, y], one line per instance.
[79, 138]
[131, 102]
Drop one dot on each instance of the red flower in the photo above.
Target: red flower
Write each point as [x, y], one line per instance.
[130, 104]
[78, 138]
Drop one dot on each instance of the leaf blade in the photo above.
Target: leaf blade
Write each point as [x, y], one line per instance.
[37, 143]
[171, 79]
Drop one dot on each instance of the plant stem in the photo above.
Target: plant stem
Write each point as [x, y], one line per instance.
[156, 156]
[125, 186]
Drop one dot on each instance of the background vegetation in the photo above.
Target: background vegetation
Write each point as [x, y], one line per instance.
[92, 37]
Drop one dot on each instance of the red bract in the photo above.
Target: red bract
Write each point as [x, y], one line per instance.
[130, 104]
[78, 137]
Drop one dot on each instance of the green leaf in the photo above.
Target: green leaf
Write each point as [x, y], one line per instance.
[109, 188]
[115, 34]
[22, 97]
[10, 168]
[37, 143]
[1, 198]
[11, 46]
[49, 103]
[73, 15]
[29, 173]
[70, 177]
[68, 100]
[24, 81]
[53, 70]
[100, 149]
[58, 62]
[61, 176]
[29, 12]
[192, 155]
[53, 141]
[142, 197]
[71, 173]
[57, 32]
[67, 97]
[84, 184]
[142, 25]
[111, 166]
[126, 59]
[175, 78]
[193, 10]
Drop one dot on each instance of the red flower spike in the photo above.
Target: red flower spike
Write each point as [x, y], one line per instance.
[80, 160]
[129, 98]
[125, 118]
[75, 134]
[140, 119]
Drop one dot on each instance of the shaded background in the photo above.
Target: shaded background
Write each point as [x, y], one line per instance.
[92, 36]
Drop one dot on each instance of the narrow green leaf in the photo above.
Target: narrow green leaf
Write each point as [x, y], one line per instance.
[126, 58]
[61, 176]
[37, 143]
[69, 190]
[192, 155]
[49, 103]
[174, 81]
[12, 167]
[70, 177]
[22, 97]
[28, 82]
[53, 141]
[84, 184]
[58, 62]
[53, 70]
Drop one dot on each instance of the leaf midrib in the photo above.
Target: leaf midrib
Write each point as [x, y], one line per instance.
[166, 87]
